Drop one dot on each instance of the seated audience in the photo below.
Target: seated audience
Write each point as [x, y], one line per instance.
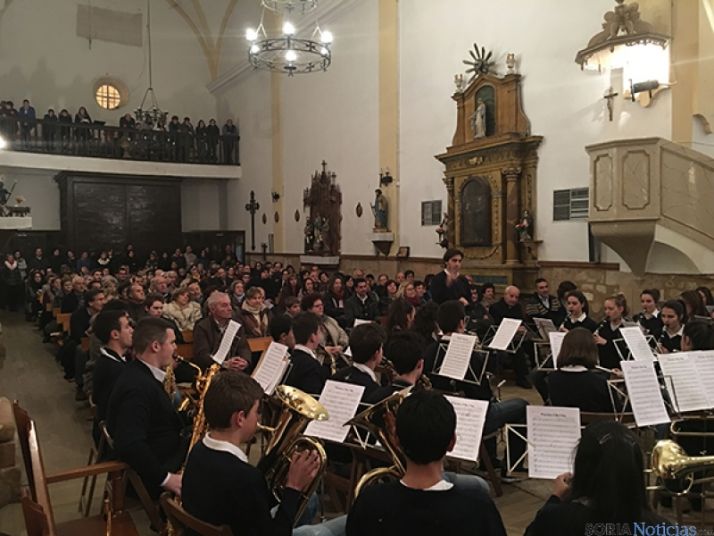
[333, 339]
[208, 332]
[362, 305]
[254, 314]
[184, 312]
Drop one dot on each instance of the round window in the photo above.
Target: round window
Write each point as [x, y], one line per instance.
[108, 96]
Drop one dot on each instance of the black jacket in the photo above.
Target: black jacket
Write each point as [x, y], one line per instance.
[458, 289]
[355, 308]
[373, 392]
[588, 323]
[145, 427]
[207, 339]
[105, 374]
[501, 310]
[585, 390]
[220, 489]
[307, 374]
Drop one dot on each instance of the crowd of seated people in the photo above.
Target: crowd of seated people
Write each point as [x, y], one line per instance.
[128, 313]
[174, 139]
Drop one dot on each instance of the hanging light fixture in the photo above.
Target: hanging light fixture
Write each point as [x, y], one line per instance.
[631, 44]
[153, 114]
[288, 53]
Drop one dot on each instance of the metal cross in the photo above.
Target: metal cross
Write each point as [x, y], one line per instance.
[610, 97]
[252, 207]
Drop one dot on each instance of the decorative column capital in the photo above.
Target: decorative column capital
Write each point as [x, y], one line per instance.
[511, 173]
[449, 182]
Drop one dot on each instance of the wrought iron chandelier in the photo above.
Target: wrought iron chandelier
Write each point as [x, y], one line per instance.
[288, 53]
[154, 114]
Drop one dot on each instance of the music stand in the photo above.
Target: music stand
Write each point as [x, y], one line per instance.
[519, 431]
[513, 346]
[475, 371]
[543, 354]
[623, 351]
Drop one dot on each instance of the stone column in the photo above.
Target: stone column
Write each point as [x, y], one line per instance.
[513, 209]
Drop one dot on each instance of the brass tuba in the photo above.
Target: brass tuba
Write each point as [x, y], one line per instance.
[298, 409]
[379, 420]
[671, 463]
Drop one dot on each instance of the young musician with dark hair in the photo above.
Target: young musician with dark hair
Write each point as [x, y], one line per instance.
[609, 330]
[308, 373]
[694, 304]
[697, 335]
[649, 318]
[281, 330]
[673, 317]
[577, 383]
[141, 418]
[607, 486]
[221, 487]
[423, 501]
[366, 341]
[115, 332]
[449, 284]
[578, 310]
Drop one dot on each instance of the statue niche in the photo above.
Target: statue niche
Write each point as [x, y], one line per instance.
[476, 212]
[323, 200]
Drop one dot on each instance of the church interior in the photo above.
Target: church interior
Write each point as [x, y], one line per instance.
[500, 211]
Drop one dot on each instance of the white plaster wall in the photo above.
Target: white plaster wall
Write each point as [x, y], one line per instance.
[41, 194]
[334, 116]
[41, 58]
[564, 104]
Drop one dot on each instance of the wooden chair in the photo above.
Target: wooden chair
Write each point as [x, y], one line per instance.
[63, 321]
[36, 505]
[185, 350]
[259, 344]
[182, 520]
[187, 336]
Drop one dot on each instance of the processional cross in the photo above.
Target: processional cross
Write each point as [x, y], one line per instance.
[253, 206]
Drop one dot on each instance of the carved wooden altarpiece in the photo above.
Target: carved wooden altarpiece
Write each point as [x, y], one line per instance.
[490, 176]
[323, 201]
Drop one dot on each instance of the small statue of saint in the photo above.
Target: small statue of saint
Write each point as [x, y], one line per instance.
[380, 209]
[524, 227]
[442, 231]
[309, 235]
[478, 120]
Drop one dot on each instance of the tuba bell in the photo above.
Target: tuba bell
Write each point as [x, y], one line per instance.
[379, 420]
[297, 410]
[671, 463]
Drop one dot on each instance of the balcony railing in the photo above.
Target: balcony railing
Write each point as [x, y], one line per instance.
[101, 141]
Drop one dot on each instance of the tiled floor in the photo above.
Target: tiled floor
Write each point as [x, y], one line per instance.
[29, 374]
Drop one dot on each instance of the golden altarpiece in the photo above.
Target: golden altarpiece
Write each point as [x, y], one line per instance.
[490, 176]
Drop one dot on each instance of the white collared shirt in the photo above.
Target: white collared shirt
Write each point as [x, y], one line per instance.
[573, 368]
[655, 314]
[155, 371]
[680, 333]
[364, 368]
[307, 350]
[441, 485]
[224, 446]
[111, 356]
[580, 319]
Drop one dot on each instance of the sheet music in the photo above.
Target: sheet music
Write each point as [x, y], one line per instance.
[348, 352]
[505, 333]
[705, 369]
[271, 367]
[644, 392]
[556, 342]
[458, 356]
[637, 344]
[359, 321]
[226, 342]
[470, 419]
[687, 390]
[553, 435]
[341, 400]
[545, 326]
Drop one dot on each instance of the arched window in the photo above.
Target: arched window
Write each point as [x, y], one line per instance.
[476, 212]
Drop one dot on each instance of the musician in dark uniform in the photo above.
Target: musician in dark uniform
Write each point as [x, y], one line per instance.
[673, 319]
[308, 372]
[609, 330]
[649, 318]
[449, 284]
[578, 310]
[423, 501]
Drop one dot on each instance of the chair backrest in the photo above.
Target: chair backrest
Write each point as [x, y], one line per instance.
[182, 520]
[185, 350]
[259, 344]
[63, 320]
[35, 469]
[187, 335]
[36, 522]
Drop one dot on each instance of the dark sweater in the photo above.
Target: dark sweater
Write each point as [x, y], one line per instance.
[440, 292]
[653, 325]
[373, 392]
[104, 376]
[390, 509]
[220, 489]
[609, 356]
[588, 323]
[145, 427]
[557, 518]
[307, 374]
[586, 390]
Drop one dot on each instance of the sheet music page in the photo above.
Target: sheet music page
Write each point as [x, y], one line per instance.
[637, 344]
[705, 369]
[271, 367]
[505, 333]
[359, 321]
[687, 390]
[556, 342]
[553, 435]
[644, 392]
[458, 356]
[341, 400]
[348, 352]
[228, 335]
[470, 418]
[545, 326]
